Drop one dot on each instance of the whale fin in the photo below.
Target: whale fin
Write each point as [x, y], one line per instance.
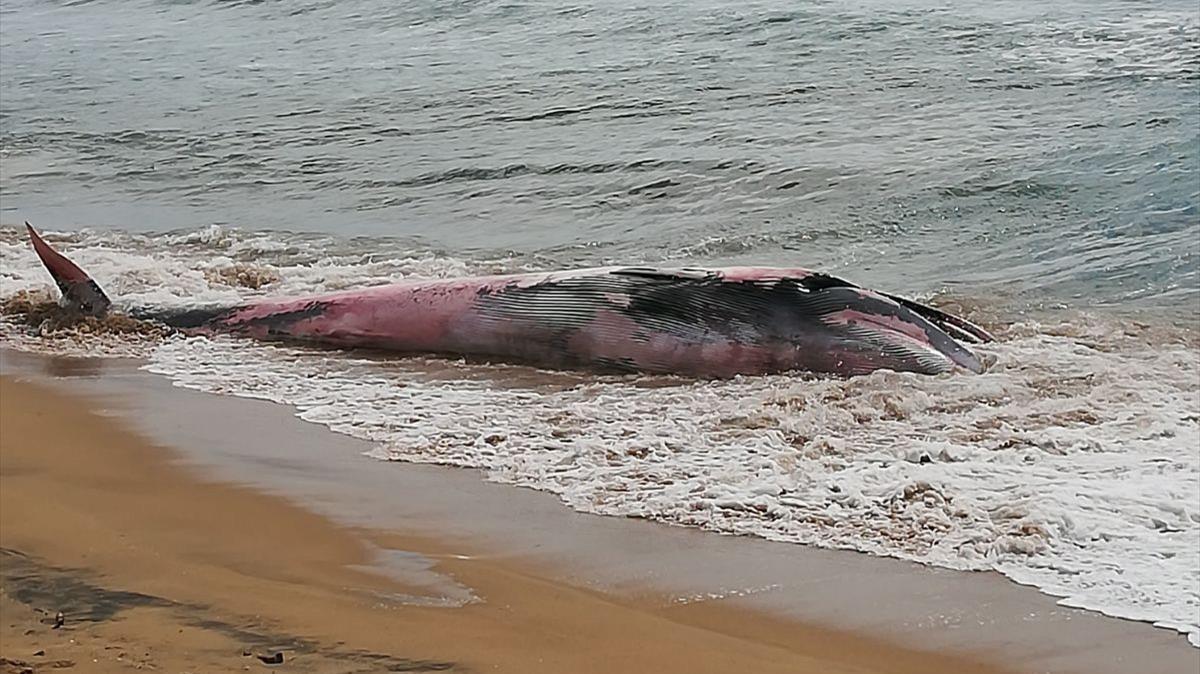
[79, 292]
[896, 332]
[958, 328]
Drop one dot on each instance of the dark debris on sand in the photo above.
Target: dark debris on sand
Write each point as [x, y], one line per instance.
[37, 310]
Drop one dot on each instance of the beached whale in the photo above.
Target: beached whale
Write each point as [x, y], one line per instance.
[698, 322]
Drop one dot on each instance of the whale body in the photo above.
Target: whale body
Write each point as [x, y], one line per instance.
[716, 322]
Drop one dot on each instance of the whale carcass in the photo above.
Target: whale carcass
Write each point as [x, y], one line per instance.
[716, 322]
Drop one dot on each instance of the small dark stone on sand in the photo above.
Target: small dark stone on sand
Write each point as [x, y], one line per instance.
[272, 659]
[246, 653]
[59, 620]
[39, 652]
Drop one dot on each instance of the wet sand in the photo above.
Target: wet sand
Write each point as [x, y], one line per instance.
[156, 566]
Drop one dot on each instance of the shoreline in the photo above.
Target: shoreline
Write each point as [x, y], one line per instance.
[196, 572]
[860, 603]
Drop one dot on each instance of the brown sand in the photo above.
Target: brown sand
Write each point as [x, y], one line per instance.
[156, 568]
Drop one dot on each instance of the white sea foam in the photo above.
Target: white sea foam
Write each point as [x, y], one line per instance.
[1072, 465]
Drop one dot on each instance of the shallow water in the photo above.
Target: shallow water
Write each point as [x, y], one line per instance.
[1038, 166]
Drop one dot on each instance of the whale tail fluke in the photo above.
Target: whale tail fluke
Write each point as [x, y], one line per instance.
[79, 292]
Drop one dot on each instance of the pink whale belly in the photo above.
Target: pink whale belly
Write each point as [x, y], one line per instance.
[693, 322]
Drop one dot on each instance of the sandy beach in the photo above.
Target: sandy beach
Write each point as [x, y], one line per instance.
[155, 567]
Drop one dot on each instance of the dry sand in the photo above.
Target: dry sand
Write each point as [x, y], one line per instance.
[156, 568]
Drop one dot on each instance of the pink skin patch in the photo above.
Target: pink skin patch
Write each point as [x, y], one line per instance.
[884, 323]
[763, 273]
[410, 316]
[618, 299]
